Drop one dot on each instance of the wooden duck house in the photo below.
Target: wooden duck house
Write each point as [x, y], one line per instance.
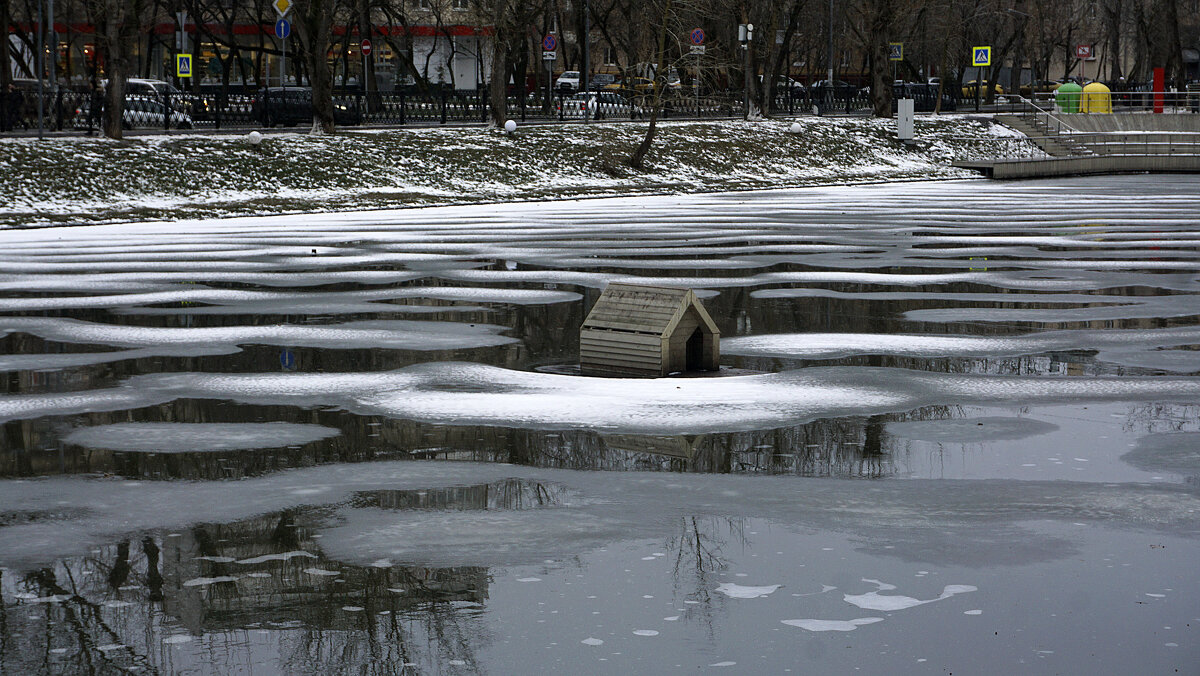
[648, 331]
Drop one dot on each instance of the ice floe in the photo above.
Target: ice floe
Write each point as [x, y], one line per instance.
[838, 345]
[197, 437]
[737, 591]
[874, 600]
[392, 334]
[832, 625]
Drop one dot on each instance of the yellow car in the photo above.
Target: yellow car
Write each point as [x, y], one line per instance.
[968, 90]
[632, 85]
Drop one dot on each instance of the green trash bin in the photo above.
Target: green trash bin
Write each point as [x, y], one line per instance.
[1067, 97]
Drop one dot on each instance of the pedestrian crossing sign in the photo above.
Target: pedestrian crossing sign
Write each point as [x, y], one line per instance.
[981, 56]
[895, 51]
[183, 65]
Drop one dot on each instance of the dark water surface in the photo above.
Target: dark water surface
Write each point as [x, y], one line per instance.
[957, 430]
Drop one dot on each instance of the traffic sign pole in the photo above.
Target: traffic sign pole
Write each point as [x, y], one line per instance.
[980, 57]
[365, 48]
[549, 55]
[697, 49]
[282, 7]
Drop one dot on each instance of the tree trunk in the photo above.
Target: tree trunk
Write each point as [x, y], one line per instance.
[881, 85]
[637, 160]
[6, 115]
[117, 28]
[498, 84]
[314, 23]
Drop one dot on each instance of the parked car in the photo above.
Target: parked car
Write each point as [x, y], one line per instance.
[599, 80]
[785, 85]
[140, 112]
[290, 106]
[841, 89]
[968, 90]
[159, 90]
[567, 82]
[637, 85]
[598, 105]
[924, 97]
[1041, 86]
[136, 86]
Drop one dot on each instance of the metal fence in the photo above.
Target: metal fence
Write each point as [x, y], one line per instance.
[83, 112]
[80, 111]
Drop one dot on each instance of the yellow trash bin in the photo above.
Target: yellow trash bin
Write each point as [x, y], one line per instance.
[1096, 98]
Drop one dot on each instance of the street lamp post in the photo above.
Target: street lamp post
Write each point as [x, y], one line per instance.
[746, 37]
[40, 62]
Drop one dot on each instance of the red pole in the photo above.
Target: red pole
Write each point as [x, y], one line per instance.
[1159, 88]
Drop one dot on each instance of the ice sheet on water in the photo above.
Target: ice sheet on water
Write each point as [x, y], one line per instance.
[197, 437]
[468, 393]
[354, 302]
[77, 513]
[1174, 360]
[205, 581]
[26, 406]
[832, 625]
[839, 345]
[1177, 452]
[874, 600]
[391, 334]
[737, 591]
[970, 430]
[61, 360]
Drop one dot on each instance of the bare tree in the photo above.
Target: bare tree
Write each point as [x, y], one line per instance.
[117, 24]
[660, 74]
[314, 24]
[871, 22]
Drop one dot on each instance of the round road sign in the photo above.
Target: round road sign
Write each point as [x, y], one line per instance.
[550, 43]
[283, 28]
[697, 36]
[366, 47]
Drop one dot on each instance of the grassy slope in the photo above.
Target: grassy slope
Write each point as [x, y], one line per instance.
[164, 177]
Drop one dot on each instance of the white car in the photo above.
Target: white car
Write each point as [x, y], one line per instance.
[568, 81]
[140, 113]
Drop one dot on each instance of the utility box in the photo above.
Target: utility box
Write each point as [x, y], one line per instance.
[904, 119]
[648, 331]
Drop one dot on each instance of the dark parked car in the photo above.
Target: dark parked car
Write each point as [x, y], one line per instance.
[290, 106]
[924, 96]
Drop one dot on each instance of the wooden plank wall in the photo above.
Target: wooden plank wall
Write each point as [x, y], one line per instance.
[620, 353]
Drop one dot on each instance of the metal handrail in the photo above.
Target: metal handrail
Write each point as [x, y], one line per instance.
[1032, 109]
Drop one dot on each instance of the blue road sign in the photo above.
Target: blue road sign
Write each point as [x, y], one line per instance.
[287, 359]
[283, 28]
[895, 51]
[183, 65]
[550, 43]
[697, 36]
[981, 56]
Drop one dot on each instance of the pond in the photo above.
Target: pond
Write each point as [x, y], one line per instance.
[957, 423]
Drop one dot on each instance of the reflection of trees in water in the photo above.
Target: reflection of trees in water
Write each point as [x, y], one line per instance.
[506, 494]
[1052, 364]
[836, 447]
[699, 559]
[432, 621]
[91, 638]
[1160, 417]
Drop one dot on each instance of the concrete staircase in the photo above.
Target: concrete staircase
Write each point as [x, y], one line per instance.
[1044, 136]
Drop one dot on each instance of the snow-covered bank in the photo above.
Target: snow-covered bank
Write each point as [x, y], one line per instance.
[84, 180]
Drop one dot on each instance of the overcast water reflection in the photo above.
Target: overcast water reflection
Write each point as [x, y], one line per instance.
[957, 424]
